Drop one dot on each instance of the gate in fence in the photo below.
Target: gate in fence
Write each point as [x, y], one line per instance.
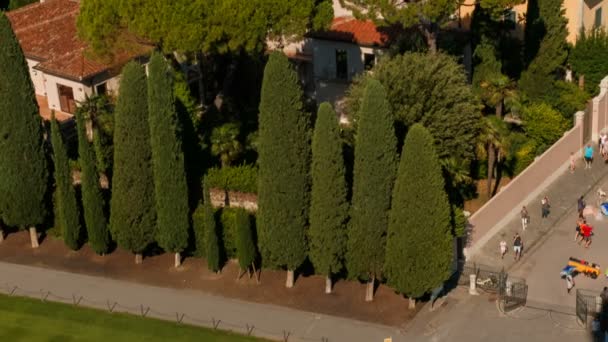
[513, 294]
[588, 303]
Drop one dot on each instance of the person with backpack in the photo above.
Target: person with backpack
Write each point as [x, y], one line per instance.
[517, 246]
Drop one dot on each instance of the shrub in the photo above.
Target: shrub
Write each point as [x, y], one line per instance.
[568, 99]
[589, 57]
[243, 178]
[543, 124]
[525, 156]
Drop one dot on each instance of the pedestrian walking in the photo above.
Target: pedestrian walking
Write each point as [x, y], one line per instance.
[579, 223]
[572, 162]
[517, 246]
[434, 295]
[503, 249]
[525, 217]
[569, 282]
[586, 232]
[588, 155]
[596, 329]
[545, 206]
[604, 295]
[581, 204]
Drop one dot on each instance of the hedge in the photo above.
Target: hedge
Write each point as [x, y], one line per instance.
[226, 227]
[243, 178]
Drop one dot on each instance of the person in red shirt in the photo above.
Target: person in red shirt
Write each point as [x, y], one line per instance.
[586, 231]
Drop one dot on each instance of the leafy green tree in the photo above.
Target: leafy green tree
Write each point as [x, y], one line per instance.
[245, 246]
[200, 25]
[66, 205]
[132, 210]
[432, 90]
[539, 78]
[543, 124]
[171, 191]
[23, 169]
[568, 99]
[98, 119]
[212, 245]
[373, 177]
[428, 16]
[589, 58]
[92, 198]
[284, 159]
[225, 143]
[328, 205]
[419, 249]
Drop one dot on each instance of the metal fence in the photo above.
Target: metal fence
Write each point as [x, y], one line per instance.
[588, 303]
[487, 278]
[146, 311]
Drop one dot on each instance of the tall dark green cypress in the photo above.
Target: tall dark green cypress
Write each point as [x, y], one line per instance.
[373, 177]
[284, 158]
[92, 199]
[328, 204]
[132, 210]
[171, 191]
[538, 80]
[23, 169]
[66, 205]
[419, 249]
[245, 246]
[212, 244]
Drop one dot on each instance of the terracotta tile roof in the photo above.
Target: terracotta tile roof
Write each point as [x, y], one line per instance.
[47, 33]
[360, 32]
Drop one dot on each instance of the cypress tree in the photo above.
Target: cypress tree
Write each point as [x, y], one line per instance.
[284, 158]
[132, 211]
[329, 206]
[245, 247]
[23, 169]
[373, 177]
[212, 245]
[537, 82]
[198, 227]
[171, 191]
[92, 198]
[66, 205]
[419, 241]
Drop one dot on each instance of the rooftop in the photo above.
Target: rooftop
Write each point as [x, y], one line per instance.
[360, 32]
[47, 33]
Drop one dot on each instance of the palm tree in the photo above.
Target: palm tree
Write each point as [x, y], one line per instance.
[492, 144]
[496, 91]
[225, 143]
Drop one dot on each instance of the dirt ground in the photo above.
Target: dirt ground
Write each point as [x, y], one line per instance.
[476, 203]
[347, 299]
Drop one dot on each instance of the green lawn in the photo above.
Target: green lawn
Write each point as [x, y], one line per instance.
[31, 320]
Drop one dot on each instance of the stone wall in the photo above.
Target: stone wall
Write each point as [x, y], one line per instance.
[235, 199]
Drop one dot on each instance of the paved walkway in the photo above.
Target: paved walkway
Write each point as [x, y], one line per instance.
[563, 194]
[459, 317]
[198, 308]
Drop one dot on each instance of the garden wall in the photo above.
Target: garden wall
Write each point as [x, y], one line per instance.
[227, 198]
[493, 215]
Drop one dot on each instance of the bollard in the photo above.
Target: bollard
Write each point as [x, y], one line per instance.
[473, 285]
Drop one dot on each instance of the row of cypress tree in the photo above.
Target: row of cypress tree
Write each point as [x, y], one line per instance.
[397, 224]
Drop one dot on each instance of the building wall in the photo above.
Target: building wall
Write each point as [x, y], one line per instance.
[574, 11]
[324, 57]
[37, 77]
[52, 92]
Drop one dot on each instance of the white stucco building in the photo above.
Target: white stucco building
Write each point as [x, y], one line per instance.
[61, 72]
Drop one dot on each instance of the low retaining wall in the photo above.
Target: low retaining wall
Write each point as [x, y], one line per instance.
[225, 198]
